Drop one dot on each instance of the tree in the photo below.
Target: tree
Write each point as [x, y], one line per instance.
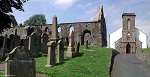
[36, 20]
[5, 9]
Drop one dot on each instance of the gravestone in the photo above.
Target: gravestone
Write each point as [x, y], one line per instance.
[86, 45]
[77, 47]
[60, 51]
[25, 42]
[54, 30]
[71, 50]
[51, 54]
[34, 43]
[14, 41]
[20, 63]
[1, 41]
[4, 49]
[51, 59]
[44, 42]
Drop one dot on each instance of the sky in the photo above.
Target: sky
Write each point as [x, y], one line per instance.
[84, 10]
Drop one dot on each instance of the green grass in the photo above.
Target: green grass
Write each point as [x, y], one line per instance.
[146, 50]
[88, 64]
[2, 74]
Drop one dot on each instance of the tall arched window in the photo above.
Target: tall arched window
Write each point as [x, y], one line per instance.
[129, 24]
[59, 29]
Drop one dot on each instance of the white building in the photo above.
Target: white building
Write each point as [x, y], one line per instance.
[128, 38]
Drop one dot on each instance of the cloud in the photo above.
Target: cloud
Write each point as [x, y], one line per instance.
[60, 4]
[81, 6]
[64, 3]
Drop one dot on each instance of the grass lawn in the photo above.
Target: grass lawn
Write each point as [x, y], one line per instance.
[146, 50]
[2, 74]
[88, 64]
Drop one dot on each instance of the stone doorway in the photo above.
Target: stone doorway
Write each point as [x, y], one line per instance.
[86, 35]
[128, 49]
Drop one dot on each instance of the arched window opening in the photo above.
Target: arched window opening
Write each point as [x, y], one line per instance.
[129, 24]
[59, 31]
[128, 37]
[71, 28]
[46, 30]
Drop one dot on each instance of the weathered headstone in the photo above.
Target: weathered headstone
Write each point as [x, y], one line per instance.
[86, 45]
[51, 61]
[4, 49]
[14, 41]
[25, 42]
[34, 43]
[71, 50]
[77, 47]
[1, 41]
[20, 63]
[44, 42]
[60, 51]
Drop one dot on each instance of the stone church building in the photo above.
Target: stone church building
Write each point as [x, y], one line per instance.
[128, 38]
[94, 31]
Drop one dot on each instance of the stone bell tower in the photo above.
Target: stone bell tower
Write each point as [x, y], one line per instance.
[128, 32]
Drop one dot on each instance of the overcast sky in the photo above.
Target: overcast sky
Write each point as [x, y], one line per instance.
[84, 10]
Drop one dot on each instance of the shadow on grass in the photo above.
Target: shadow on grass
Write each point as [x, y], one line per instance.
[114, 54]
[79, 54]
[61, 63]
[66, 59]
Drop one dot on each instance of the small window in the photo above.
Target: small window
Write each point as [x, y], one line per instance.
[128, 37]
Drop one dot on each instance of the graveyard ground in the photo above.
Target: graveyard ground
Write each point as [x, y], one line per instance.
[146, 50]
[92, 62]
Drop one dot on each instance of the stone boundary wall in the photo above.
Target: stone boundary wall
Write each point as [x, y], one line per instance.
[144, 56]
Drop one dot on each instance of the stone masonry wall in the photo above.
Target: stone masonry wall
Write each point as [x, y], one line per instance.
[144, 56]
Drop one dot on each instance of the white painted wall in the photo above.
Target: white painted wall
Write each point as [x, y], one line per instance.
[113, 37]
[142, 37]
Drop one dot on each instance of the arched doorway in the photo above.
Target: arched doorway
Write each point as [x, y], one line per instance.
[128, 49]
[86, 33]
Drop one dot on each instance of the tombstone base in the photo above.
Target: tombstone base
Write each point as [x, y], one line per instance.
[71, 52]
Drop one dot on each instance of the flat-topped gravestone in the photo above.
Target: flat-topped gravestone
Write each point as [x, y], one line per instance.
[71, 50]
[51, 59]
[20, 63]
[44, 42]
[4, 49]
[34, 43]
